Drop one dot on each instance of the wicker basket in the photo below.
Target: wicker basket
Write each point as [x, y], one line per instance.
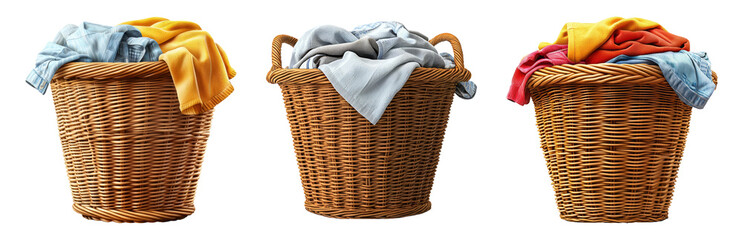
[613, 136]
[353, 169]
[131, 155]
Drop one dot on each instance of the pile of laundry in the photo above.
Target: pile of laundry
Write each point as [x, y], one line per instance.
[622, 41]
[371, 63]
[199, 67]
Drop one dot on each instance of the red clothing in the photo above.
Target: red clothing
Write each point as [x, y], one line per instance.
[546, 57]
[634, 43]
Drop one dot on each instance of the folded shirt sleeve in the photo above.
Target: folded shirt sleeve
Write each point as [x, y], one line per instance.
[48, 61]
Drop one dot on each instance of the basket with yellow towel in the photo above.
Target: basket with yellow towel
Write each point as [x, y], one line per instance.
[134, 134]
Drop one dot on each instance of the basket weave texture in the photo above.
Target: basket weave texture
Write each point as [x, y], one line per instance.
[353, 169]
[131, 155]
[613, 136]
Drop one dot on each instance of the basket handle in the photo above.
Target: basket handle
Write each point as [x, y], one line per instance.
[276, 49]
[455, 45]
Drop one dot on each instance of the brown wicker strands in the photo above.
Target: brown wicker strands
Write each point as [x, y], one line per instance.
[353, 169]
[613, 136]
[131, 155]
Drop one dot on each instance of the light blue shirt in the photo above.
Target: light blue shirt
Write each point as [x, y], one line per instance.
[91, 42]
[689, 74]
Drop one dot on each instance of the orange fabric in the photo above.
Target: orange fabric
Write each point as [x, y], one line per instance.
[634, 43]
[584, 38]
[199, 66]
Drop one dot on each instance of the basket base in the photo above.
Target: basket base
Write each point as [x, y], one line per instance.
[614, 220]
[359, 213]
[126, 216]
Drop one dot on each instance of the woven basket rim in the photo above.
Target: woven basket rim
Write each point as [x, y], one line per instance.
[280, 75]
[112, 70]
[600, 73]
[315, 76]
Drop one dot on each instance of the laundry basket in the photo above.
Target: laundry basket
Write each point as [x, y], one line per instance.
[131, 155]
[353, 169]
[613, 136]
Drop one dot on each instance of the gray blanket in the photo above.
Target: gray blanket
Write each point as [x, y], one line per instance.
[369, 65]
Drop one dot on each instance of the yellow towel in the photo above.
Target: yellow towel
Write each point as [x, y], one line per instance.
[200, 68]
[583, 38]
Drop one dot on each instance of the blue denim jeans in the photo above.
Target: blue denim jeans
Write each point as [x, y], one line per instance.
[689, 74]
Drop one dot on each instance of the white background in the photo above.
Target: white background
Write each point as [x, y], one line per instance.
[491, 183]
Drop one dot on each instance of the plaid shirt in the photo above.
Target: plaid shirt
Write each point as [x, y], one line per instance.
[91, 43]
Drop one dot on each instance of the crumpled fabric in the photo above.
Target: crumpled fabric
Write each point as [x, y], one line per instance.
[199, 66]
[634, 43]
[370, 64]
[583, 38]
[548, 56]
[688, 73]
[91, 42]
